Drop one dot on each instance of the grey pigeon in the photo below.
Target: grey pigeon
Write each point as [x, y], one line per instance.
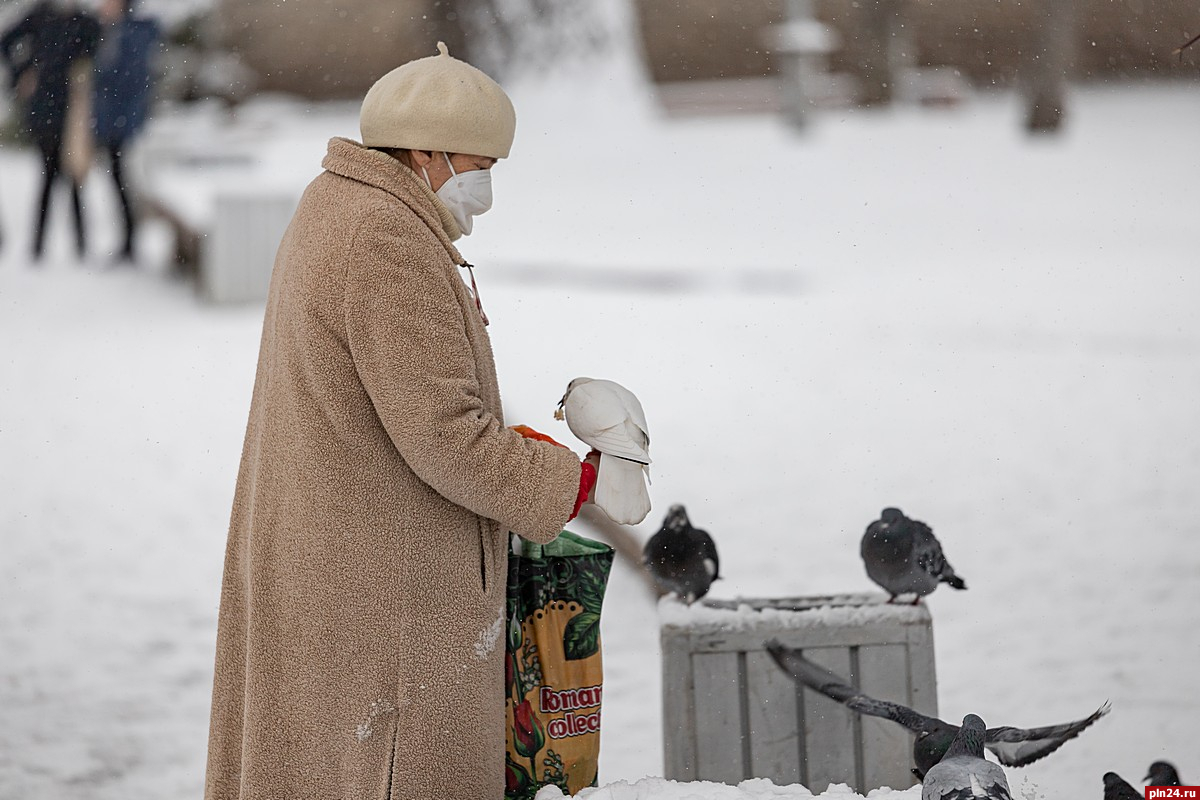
[963, 773]
[1162, 773]
[1117, 788]
[680, 558]
[1013, 747]
[904, 557]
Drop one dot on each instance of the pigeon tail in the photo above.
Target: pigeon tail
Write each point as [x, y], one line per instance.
[621, 490]
[954, 581]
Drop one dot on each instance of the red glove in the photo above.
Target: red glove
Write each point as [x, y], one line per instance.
[587, 479]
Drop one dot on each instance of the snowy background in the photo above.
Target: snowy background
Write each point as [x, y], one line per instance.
[911, 307]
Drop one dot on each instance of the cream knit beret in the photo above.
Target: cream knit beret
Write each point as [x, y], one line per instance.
[438, 103]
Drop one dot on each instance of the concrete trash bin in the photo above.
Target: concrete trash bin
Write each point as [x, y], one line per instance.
[729, 713]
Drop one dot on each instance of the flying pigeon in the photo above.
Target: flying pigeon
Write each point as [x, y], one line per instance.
[608, 417]
[904, 557]
[682, 559]
[1013, 747]
[963, 773]
[1162, 773]
[1117, 788]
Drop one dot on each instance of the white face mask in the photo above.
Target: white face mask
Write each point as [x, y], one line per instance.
[467, 194]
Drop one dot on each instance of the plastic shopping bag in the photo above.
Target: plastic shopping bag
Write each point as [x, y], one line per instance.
[553, 670]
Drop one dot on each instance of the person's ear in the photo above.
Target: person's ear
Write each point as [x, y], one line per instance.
[421, 158]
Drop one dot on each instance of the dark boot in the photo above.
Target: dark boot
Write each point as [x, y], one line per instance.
[49, 173]
[114, 154]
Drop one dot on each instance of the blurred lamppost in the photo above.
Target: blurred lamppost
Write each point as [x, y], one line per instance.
[800, 45]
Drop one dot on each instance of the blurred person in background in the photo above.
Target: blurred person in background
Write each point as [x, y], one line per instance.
[41, 52]
[121, 96]
[361, 631]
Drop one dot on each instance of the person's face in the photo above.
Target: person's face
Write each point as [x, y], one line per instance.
[439, 172]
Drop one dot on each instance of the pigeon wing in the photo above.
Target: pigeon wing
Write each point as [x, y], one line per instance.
[903, 715]
[615, 441]
[927, 550]
[825, 682]
[936, 792]
[607, 420]
[707, 549]
[627, 399]
[1016, 747]
[640, 437]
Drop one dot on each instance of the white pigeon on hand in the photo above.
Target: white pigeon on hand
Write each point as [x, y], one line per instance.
[608, 417]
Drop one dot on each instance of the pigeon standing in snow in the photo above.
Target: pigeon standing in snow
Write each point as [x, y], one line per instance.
[1013, 747]
[609, 418]
[682, 559]
[1117, 788]
[1162, 773]
[963, 773]
[904, 557]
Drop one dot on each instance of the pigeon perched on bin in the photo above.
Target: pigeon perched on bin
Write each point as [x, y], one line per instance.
[681, 559]
[1117, 788]
[963, 773]
[1162, 773]
[1013, 747]
[608, 417]
[904, 557]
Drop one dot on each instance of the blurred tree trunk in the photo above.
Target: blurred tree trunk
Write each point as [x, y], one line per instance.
[882, 46]
[1047, 64]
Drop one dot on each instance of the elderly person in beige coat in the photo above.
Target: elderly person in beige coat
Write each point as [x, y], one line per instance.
[360, 641]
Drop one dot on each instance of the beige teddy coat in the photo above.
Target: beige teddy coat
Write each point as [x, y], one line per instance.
[361, 630]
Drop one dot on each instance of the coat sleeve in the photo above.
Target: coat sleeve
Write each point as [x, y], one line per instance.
[408, 338]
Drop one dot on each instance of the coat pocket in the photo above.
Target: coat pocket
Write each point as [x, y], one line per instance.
[390, 778]
[493, 564]
[486, 567]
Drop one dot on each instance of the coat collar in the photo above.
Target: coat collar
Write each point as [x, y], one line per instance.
[352, 160]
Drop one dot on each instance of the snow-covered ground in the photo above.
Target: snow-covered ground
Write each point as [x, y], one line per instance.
[922, 308]
[754, 789]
